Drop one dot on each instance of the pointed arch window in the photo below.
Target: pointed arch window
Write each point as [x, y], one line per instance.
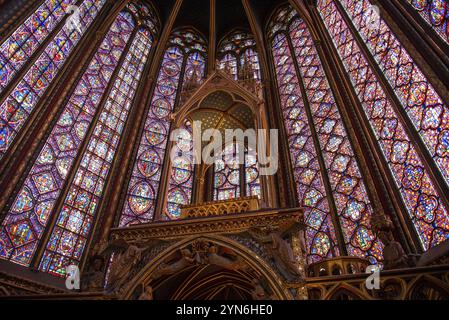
[85, 194]
[227, 174]
[146, 176]
[183, 60]
[180, 180]
[95, 116]
[329, 183]
[22, 98]
[237, 169]
[238, 56]
[424, 107]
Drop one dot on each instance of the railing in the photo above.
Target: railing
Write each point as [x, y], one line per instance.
[220, 208]
[424, 283]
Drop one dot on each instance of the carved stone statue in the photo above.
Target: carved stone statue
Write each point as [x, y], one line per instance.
[280, 250]
[147, 293]
[122, 264]
[393, 252]
[247, 71]
[193, 79]
[187, 259]
[227, 69]
[93, 279]
[272, 238]
[218, 260]
[302, 241]
[199, 253]
[394, 255]
[259, 292]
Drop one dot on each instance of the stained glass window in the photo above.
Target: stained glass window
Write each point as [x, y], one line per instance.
[21, 101]
[425, 208]
[75, 220]
[195, 68]
[237, 55]
[28, 217]
[251, 58]
[320, 231]
[424, 107]
[313, 111]
[145, 15]
[26, 39]
[436, 14]
[227, 174]
[228, 63]
[185, 48]
[181, 176]
[30, 213]
[146, 176]
[252, 177]
[230, 171]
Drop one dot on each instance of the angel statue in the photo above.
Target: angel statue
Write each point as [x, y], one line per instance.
[147, 293]
[258, 292]
[125, 257]
[187, 259]
[93, 279]
[272, 238]
[215, 259]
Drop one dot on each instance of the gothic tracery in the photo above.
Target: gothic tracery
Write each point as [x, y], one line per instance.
[99, 109]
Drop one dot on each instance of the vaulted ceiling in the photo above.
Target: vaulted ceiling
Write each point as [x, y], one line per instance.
[230, 14]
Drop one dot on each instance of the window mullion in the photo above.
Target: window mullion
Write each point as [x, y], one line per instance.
[147, 85]
[375, 167]
[421, 24]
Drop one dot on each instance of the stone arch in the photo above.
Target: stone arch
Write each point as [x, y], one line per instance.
[259, 266]
[428, 288]
[343, 290]
[221, 82]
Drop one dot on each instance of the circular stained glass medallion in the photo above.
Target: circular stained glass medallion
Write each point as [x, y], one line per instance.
[149, 163]
[156, 133]
[167, 87]
[161, 108]
[141, 198]
[171, 69]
